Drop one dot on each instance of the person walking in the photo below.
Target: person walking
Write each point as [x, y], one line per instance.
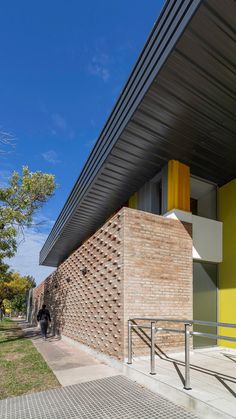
[43, 317]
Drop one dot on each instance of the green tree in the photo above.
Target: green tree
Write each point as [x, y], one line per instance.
[13, 290]
[5, 293]
[5, 278]
[7, 305]
[31, 281]
[26, 193]
[18, 303]
[20, 200]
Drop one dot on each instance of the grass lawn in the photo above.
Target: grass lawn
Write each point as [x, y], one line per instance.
[22, 369]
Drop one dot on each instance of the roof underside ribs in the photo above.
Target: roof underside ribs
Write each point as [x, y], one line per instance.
[179, 102]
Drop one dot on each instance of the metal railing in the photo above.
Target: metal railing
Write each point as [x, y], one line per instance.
[187, 333]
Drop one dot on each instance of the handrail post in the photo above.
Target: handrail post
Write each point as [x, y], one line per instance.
[153, 330]
[130, 360]
[187, 357]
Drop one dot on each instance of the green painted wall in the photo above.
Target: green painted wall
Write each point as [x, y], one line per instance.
[227, 270]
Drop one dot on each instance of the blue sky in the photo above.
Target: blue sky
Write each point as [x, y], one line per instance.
[63, 65]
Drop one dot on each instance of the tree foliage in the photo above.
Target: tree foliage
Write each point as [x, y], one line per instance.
[13, 291]
[26, 193]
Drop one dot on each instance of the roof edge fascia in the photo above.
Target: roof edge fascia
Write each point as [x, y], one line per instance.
[173, 19]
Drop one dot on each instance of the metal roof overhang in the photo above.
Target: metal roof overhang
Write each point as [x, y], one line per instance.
[178, 103]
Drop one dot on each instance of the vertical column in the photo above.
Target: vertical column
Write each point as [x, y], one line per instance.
[130, 355]
[152, 352]
[187, 357]
[178, 196]
[133, 201]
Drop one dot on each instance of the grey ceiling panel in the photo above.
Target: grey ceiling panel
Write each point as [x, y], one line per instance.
[179, 102]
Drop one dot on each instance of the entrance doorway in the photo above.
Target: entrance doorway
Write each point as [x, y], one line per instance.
[204, 301]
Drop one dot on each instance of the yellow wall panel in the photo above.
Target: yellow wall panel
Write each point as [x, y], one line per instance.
[133, 201]
[227, 271]
[178, 186]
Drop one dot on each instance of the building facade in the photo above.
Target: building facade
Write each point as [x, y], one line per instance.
[149, 227]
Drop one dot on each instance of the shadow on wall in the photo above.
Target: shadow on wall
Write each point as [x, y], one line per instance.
[52, 293]
[55, 296]
[37, 304]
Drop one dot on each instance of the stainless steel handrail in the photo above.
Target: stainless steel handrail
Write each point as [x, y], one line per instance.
[187, 332]
[201, 322]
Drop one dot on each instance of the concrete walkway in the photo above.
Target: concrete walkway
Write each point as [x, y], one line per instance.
[70, 364]
[212, 376]
[91, 390]
[73, 367]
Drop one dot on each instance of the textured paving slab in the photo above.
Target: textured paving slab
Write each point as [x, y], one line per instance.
[113, 397]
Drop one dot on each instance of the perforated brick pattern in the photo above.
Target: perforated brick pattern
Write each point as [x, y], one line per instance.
[85, 294]
[114, 397]
[137, 264]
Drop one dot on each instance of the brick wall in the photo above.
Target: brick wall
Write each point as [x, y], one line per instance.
[88, 306]
[138, 264]
[37, 299]
[157, 275]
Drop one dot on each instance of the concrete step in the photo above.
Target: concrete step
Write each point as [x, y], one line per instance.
[213, 407]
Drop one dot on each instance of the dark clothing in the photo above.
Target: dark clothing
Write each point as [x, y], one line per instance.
[44, 317]
[43, 314]
[44, 328]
